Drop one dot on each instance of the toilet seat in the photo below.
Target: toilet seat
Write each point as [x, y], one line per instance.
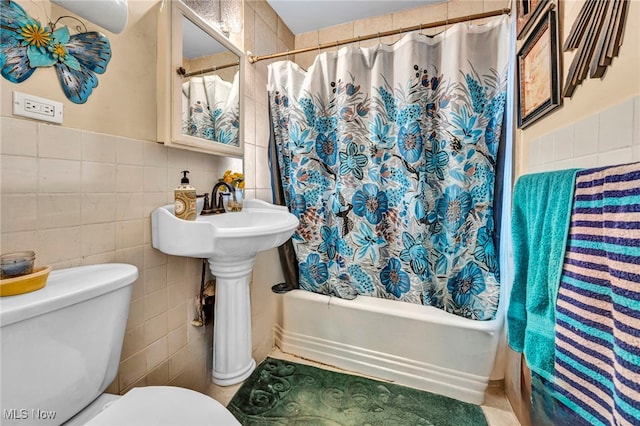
[164, 405]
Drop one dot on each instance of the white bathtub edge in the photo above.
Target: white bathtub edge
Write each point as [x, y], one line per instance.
[331, 331]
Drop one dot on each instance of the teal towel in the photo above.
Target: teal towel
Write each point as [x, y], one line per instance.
[540, 224]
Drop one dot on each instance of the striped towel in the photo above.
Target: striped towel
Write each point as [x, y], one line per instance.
[597, 350]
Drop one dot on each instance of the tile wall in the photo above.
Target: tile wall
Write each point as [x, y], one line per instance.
[420, 15]
[609, 137]
[77, 197]
[264, 33]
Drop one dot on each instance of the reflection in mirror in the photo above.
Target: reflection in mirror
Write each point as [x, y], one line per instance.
[210, 87]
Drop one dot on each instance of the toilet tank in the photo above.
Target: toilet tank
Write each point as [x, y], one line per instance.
[60, 346]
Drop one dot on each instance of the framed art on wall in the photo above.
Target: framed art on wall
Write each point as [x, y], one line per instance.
[539, 73]
[528, 11]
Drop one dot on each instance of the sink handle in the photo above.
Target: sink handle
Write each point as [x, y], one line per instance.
[206, 205]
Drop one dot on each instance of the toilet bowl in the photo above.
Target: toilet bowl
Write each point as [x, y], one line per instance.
[60, 349]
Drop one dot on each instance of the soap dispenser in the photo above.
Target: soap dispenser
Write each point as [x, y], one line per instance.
[185, 199]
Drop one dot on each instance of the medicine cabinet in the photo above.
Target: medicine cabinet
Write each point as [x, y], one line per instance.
[200, 84]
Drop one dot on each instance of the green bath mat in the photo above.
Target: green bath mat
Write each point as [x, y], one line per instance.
[286, 393]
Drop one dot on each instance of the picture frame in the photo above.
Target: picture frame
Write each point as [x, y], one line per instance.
[527, 13]
[539, 71]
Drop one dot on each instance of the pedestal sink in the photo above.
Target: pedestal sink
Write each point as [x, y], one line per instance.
[230, 242]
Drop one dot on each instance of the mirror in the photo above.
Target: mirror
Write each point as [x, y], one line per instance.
[200, 81]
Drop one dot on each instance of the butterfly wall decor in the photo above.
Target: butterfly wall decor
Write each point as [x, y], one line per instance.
[25, 45]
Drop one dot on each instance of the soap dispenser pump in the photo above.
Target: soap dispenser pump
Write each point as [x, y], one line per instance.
[185, 199]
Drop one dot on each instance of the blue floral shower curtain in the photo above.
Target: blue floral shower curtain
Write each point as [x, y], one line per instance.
[210, 108]
[387, 157]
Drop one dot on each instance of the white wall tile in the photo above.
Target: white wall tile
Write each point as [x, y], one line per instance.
[98, 147]
[195, 161]
[155, 179]
[177, 294]
[19, 137]
[129, 178]
[59, 244]
[129, 206]
[98, 238]
[59, 210]
[131, 370]
[563, 164]
[98, 207]
[264, 195]
[616, 126]
[250, 120]
[155, 279]
[586, 162]
[130, 151]
[155, 304]
[133, 342]
[155, 155]
[263, 126]
[546, 149]
[157, 353]
[586, 136]
[250, 165]
[153, 200]
[18, 174]
[20, 241]
[59, 175]
[177, 158]
[59, 142]
[99, 258]
[177, 339]
[19, 212]
[153, 257]
[177, 316]
[98, 177]
[563, 143]
[263, 174]
[619, 156]
[129, 233]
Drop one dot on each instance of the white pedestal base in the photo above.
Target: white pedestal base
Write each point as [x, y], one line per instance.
[232, 361]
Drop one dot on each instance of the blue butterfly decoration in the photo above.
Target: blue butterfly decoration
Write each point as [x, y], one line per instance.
[26, 45]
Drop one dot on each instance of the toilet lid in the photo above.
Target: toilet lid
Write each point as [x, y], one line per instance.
[164, 405]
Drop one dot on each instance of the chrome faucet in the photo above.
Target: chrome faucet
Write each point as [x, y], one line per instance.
[217, 204]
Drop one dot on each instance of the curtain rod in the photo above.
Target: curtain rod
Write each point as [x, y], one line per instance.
[184, 74]
[253, 58]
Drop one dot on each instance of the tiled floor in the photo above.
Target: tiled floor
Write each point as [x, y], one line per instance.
[496, 407]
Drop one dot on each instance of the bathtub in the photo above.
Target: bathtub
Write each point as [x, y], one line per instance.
[412, 345]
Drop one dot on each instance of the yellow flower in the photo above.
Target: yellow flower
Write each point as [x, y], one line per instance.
[234, 179]
[35, 35]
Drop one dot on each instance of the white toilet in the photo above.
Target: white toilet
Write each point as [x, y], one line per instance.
[60, 349]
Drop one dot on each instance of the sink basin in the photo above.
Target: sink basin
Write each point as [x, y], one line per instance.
[229, 242]
[259, 226]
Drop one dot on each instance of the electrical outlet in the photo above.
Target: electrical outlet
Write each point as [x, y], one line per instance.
[36, 107]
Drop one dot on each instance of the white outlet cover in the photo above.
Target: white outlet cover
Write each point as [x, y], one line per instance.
[38, 108]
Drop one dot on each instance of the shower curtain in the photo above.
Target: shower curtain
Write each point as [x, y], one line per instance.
[210, 109]
[387, 156]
